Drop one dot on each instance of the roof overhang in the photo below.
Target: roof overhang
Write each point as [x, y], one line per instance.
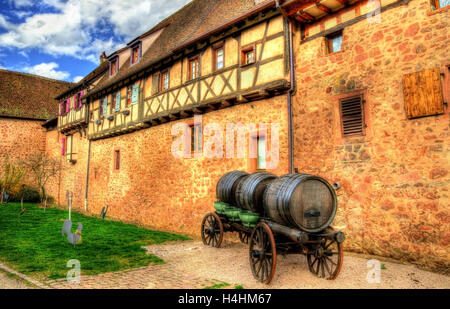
[310, 11]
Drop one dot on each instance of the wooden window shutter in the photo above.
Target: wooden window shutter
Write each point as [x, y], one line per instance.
[352, 115]
[423, 93]
[117, 107]
[135, 94]
[155, 83]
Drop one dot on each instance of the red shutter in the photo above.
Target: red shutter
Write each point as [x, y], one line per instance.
[63, 146]
[79, 98]
[61, 109]
[67, 105]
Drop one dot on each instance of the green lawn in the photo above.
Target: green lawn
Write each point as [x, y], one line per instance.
[33, 244]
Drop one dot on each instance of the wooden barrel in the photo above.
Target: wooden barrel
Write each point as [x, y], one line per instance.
[299, 200]
[250, 191]
[226, 186]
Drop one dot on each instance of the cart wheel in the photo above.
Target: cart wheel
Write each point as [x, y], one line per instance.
[326, 260]
[212, 230]
[263, 253]
[243, 237]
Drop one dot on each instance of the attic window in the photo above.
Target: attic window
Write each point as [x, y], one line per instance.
[113, 66]
[135, 53]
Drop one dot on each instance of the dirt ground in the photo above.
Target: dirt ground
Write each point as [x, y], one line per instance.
[230, 264]
[11, 282]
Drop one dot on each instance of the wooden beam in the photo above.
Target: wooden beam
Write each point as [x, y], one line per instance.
[306, 16]
[300, 19]
[323, 8]
[293, 8]
[343, 2]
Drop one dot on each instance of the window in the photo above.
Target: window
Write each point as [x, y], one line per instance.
[334, 42]
[114, 66]
[129, 95]
[352, 115]
[194, 68]
[135, 53]
[75, 101]
[423, 93]
[103, 108]
[196, 138]
[116, 101]
[117, 159]
[135, 94]
[218, 60]
[248, 55]
[67, 105]
[164, 79]
[439, 4]
[261, 160]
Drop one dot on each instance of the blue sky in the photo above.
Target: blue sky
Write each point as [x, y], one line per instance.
[63, 39]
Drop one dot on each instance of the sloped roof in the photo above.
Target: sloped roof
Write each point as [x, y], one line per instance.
[82, 83]
[29, 96]
[186, 24]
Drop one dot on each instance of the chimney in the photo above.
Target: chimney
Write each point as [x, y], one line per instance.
[102, 57]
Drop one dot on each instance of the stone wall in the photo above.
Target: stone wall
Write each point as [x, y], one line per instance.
[394, 199]
[20, 138]
[153, 187]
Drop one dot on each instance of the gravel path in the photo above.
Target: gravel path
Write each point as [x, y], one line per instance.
[11, 282]
[230, 264]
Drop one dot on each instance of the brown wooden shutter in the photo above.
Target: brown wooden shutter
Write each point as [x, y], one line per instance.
[423, 93]
[155, 83]
[352, 115]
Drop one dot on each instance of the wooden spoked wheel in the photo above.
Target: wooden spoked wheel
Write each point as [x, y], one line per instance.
[325, 260]
[212, 230]
[243, 237]
[263, 253]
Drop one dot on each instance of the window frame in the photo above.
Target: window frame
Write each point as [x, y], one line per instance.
[116, 159]
[161, 80]
[196, 147]
[437, 7]
[191, 60]
[128, 102]
[216, 48]
[133, 47]
[114, 60]
[246, 50]
[329, 41]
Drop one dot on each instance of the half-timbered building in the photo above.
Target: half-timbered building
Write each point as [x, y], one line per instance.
[357, 90]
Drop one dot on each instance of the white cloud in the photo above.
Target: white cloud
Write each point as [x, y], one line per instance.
[47, 70]
[73, 30]
[76, 79]
[21, 3]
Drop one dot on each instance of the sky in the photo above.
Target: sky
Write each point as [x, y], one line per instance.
[63, 39]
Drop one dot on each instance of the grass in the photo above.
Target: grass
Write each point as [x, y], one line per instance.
[216, 286]
[33, 245]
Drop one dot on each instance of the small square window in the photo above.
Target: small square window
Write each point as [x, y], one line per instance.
[334, 42]
[248, 55]
[439, 4]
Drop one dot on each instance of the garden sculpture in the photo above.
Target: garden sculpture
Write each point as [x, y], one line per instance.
[73, 238]
[103, 212]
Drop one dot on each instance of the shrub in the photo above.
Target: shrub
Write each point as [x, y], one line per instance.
[29, 194]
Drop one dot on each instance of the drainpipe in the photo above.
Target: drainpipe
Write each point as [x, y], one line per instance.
[88, 160]
[289, 99]
[291, 90]
[87, 178]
